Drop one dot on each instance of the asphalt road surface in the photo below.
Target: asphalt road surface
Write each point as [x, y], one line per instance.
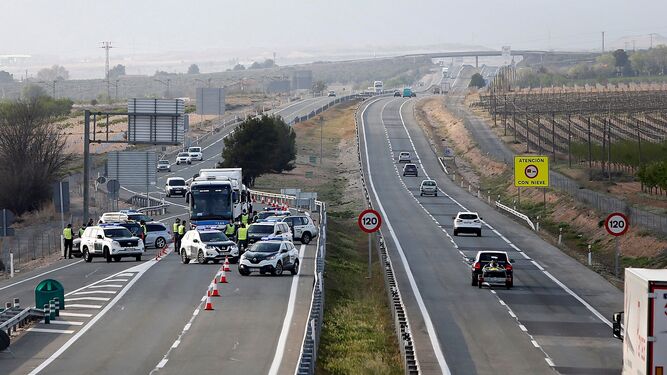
[147, 317]
[554, 319]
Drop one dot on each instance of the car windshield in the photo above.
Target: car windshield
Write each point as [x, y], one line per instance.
[176, 182]
[183, 154]
[266, 247]
[260, 229]
[195, 149]
[213, 237]
[486, 257]
[468, 216]
[132, 227]
[117, 233]
[429, 183]
[138, 217]
[410, 167]
[264, 215]
[163, 162]
[211, 202]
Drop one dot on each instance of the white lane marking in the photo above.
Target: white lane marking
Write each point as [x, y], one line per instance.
[502, 302]
[176, 344]
[96, 292]
[162, 363]
[106, 286]
[40, 275]
[523, 328]
[75, 315]
[104, 299]
[126, 275]
[550, 362]
[524, 255]
[187, 327]
[513, 246]
[535, 344]
[141, 268]
[196, 312]
[554, 279]
[65, 322]
[282, 339]
[413, 284]
[512, 314]
[82, 306]
[47, 330]
[115, 280]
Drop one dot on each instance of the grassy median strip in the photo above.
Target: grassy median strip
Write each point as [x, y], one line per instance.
[358, 334]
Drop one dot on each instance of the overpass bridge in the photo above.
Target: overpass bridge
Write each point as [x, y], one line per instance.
[540, 54]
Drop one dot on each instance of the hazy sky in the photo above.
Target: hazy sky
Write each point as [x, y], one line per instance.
[75, 27]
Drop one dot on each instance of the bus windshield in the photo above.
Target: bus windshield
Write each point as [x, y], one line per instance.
[211, 202]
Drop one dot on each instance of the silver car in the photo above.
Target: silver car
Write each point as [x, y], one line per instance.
[157, 235]
[428, 187]
[163, 165]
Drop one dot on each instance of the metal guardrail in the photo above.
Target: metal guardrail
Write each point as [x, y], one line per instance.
[401, 323]
[14, 317]
[516, 213]
[155, 210]
[311, 337]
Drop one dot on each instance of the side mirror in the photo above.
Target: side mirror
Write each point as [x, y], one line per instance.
[187, 197]
[283, 251]
[99, 237]
[481, 218]
[195, 240]
[512, 260]
[616, 329]
[453, 217]
[279, 232]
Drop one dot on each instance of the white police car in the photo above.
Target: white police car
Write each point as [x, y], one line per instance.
[206, 244]
[274, 256]
[111, 242]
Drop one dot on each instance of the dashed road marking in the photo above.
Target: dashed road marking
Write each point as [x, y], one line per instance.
[49, 330]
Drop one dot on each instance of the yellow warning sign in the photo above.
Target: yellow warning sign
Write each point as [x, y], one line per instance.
[531, 171]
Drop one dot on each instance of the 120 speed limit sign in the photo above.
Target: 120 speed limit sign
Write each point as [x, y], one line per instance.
[616, 224]
[369, 221]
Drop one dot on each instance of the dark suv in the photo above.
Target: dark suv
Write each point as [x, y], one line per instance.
[484, 257]
[410, 170]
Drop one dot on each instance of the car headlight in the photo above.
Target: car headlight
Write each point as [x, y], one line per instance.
[115, 243]
[272, 257]
[209, 247]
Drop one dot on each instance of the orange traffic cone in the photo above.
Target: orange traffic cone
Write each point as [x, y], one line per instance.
[222, 279]
[209, 305]
[225, 266]
[214, 289]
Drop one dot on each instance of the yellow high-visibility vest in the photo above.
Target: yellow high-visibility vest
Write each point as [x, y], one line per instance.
[67, 233]
[243, 234]
[244, 219]
[175, 227]
[181, 229]
[230, 229]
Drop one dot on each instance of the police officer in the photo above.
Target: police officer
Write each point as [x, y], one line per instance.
[81, 230]
[181, 232]
[244, 218]
[230, 230]
[175, 231]
[144, 231]
[254, 217]
[69, 241]
[242, 235]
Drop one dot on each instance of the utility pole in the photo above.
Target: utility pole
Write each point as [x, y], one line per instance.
[107, 46]
[603, 42]
[651, 38]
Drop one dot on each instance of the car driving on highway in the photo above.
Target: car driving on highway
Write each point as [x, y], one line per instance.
[404, 157]
[428, 187]
[268, 229]
[183, 158]
[111, 242]
[163, 166]
[302, 226]
[467, 222]
[264, 215]
[273, 256]
[175, 186]
[482, 260]
[207, 245]
[410, 170]
[195, 153]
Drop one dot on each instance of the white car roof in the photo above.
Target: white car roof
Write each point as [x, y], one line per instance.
[467, 212]
[175, 178]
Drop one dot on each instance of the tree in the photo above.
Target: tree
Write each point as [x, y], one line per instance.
[238, 67]
[620, 58]
[193, 69]
[32, 153]
[260, 145]
[268, 63]
[117, 71]
[319, 86]
[5, 77]
[54, 73]
[32, 91]
[477, 81]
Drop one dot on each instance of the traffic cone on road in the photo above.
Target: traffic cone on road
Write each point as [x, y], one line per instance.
[222, 279]
[209, 305]
[214, 289]
[225, 266]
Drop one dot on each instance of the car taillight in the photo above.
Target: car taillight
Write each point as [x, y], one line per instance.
[476, 221]
[478, 265]
[508, 267]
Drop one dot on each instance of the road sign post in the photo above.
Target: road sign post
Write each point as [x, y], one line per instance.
[617, 224]
[369, 221]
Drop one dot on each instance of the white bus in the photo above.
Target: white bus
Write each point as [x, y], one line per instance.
[378, 86]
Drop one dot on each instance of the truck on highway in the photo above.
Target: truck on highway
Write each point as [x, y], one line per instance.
[211, 201]
[643, 324]
[407, 92]
[378, 86]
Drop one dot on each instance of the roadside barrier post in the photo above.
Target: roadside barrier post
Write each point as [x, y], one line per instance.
[11, 264]
[47, 314]
[590, 257]
[560, 235]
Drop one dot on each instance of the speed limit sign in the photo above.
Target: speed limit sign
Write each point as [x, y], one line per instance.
[616, 224]
[369, 221]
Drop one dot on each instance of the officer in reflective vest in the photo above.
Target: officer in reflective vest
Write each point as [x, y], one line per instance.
[244, 218]
[242, 235]
[69, 241]
[230, 230]
[81, 230]
[175, 227]
[181, 232]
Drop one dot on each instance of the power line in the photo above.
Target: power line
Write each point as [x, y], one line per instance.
[107, 46]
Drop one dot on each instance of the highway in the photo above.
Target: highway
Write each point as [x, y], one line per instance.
[555, 319]
[147, 317]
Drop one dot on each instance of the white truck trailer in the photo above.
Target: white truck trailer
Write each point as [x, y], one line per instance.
[644, 329]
